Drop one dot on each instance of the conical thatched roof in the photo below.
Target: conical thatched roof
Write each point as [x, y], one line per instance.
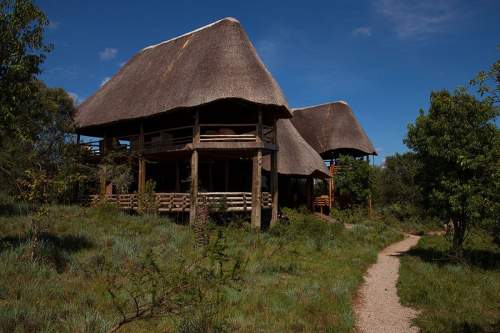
[331, 128]
[212, 63]
[295, 156]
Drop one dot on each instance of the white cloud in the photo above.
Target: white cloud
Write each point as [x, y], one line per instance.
[362, 31]
[106, 79]
[74, 96]
[379, 150]
[108, 53]
[417, 18]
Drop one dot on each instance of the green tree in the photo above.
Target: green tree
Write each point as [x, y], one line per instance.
[396, 185]
[22, 51]
[458, 146]
[354, 183]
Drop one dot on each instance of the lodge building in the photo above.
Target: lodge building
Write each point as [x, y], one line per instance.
[208, 122]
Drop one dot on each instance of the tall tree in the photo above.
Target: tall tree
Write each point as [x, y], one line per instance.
[22, 51]
[458, 145]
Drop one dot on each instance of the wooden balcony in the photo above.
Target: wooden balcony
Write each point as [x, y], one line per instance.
[212, 136]
[180, 202]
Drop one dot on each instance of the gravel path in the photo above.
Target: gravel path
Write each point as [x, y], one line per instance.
[378, 308]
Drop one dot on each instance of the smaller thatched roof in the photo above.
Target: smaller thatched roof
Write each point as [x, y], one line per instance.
[215, 62]
[332, 128]
[296, 157]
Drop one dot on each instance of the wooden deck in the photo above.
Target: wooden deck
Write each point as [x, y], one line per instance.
[180, 202]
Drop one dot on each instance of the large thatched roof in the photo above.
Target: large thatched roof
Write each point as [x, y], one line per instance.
[212, 63]
[332, 128]
[295, 156]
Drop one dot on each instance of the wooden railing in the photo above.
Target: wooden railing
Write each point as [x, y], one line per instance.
[180, 202]
[177, 138]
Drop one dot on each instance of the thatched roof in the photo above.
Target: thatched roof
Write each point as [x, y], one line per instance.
[332, 128]
[212, 63]
[295, 156]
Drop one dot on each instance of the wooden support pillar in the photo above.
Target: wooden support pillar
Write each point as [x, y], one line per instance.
[274, 187]
[257, 178]
[257, 189]
[194, 170]
[141, 178]
[274, 177]
[105, 147]
[330, 184]
[142, 175]
[194, 187]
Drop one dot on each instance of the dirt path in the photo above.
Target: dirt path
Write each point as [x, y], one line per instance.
[378, 308]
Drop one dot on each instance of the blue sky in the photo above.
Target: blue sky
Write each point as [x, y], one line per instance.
[383, 57]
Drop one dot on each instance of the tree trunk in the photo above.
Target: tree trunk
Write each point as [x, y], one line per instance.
[459, 228]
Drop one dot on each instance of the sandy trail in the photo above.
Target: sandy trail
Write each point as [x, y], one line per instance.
[378, 308]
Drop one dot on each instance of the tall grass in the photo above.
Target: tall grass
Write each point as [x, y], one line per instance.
[298, 277]
[453, 296]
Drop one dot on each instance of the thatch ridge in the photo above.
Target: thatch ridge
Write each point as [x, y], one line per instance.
[332, 127]
[215, 62]
[295, 156]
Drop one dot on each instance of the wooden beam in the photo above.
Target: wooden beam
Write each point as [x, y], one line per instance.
[194, 171]
[257, 189]
[141, 181]
[258, 137]
[274, 188]
[194, 187]
[196, 128]
[330, 185]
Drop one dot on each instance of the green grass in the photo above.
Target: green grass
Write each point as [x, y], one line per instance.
[299, 277]
[453, 296]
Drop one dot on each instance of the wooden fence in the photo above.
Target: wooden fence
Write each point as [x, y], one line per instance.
[180, 202]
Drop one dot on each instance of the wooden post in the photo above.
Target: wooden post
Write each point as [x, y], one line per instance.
[274, 187]
[274, 177]
[194, 170]
[142, 175]
[257, 178]
[102, 178]
[330, 185]
[257, 189]
[141, 181]
[194, 187]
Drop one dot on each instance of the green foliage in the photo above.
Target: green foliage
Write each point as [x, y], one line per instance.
[453, 296]
[301, 276]
[397, 183]
[458, 146]
[23, 51]
[146, 201]
[35, 119]
[355, 182]
[116, 168]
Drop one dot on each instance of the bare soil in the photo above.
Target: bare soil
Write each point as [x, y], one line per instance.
[378, 308]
